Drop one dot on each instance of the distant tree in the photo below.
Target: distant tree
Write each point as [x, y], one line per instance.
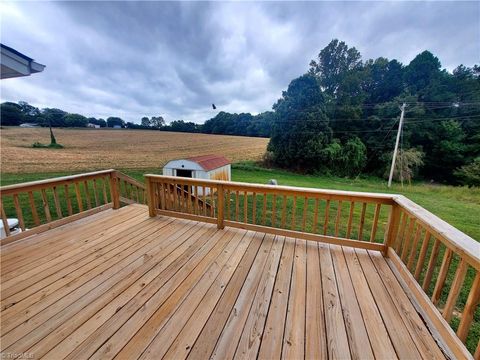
[54, 117]
[31, 113]
[113, 121]
[99, 122]
[75, 120]
[469, 174]
[301, 132]
[407, 164]
[346, 160]
[146, 121]
[421, 71]
[182, 126]
[383, 80]
[157, 122]
[11, 114]
[333, 64]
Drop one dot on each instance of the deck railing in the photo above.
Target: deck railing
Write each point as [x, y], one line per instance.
[409, 235]
[338, 217]
[441, 267]
[43, 205]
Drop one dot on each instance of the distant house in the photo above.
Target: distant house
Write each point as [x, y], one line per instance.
[117, 126]
[29, 125]
[16, 64]
[95, 126]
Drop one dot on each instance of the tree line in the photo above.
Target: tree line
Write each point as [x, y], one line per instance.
[14, 114]
[341, 117]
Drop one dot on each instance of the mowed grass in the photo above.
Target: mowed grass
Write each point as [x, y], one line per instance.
[93, 149]
[460, 206]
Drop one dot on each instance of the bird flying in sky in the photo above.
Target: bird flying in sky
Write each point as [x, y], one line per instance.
[214, 107]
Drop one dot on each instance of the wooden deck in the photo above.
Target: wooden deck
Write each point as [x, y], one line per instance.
[121, 284]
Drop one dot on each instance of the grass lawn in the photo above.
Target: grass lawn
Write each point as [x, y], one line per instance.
[459, 206]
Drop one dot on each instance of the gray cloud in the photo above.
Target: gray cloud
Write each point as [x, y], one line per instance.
[131, 59]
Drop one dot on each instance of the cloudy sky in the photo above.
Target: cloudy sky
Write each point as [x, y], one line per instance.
[174, 59]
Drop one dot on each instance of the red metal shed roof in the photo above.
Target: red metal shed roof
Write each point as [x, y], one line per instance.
[210, 162]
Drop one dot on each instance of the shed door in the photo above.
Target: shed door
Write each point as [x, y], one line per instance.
[184, 173]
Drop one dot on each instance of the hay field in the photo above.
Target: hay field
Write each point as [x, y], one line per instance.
[93, 149]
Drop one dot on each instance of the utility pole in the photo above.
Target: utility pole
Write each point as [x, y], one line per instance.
[400, 125]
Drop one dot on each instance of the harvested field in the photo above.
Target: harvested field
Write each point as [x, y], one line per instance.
[92, 149]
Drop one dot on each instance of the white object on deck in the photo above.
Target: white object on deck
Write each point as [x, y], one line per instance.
[12, 225]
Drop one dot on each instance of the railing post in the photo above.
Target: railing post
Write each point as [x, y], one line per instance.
[114, 190]
[220, 205]
[392, 228]
[150, 197]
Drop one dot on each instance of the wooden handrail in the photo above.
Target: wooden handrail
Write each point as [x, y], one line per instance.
[280, 189]
[456, 240]
[418, 231]
[34, 185]
[45, 204]
[226, 209]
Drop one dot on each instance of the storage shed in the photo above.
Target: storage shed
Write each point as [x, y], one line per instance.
[209, 167]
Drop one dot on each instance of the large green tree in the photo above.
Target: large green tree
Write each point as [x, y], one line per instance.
[300, 132]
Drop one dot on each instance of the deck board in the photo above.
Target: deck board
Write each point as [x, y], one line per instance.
[119, 284]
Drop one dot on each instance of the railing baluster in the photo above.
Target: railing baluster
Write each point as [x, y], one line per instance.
[304, 217]
[245, 207]
[315, 217]
[18, 210]
[254, 208]
[408, 238]
[79, 197]
[212, 207]
[401, 233]
[376, 215]
[467, 315]
[455, 290]
[264, 213]
[161, 196]
[350, 219]
[204, 194]
[105, 197]
[362, 222]
[189, 198]
[69, 202]
[175, 197]
[237, 205]
[421, 256]
[87, 195]
[197, 212]
[227, 205]
[274, 209]
[58, 208]
[6, 227]
[284, 211]
[413, 251]
[46, 208]
[95, 192]
[337, 219]
[294, 209]
[33, 207]
[442, 275]
[431, 265]
[327, 215]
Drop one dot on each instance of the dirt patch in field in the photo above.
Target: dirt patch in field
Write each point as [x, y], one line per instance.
[93, 149]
